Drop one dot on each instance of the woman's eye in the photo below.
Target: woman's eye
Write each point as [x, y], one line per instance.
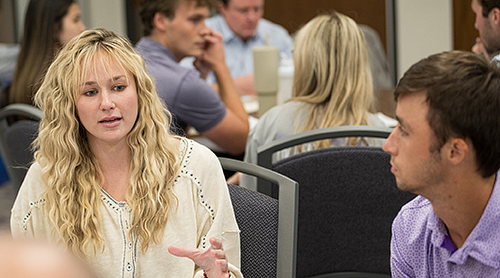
[90, 92]
[120, 88]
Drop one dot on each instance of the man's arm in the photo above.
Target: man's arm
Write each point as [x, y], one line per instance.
[232, 132]
[244, 84]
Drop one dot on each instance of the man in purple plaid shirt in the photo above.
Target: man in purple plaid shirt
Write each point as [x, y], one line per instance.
[445, 149]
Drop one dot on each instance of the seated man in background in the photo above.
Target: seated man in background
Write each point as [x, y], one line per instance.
[175, 29]
[488, 25]
[446, 149]
[242, 27]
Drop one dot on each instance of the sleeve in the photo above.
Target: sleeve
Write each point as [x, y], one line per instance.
[248, 181]
[197, 104]
[216, 203]
[28, 212]
[378, 61]
[283, 40]
[399, 266]
[287, 45]
[262, 133]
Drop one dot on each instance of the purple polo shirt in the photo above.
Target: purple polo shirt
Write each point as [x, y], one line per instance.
[189, 98]
[421, 247]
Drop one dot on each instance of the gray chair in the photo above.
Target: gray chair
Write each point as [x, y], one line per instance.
[347, 201]
[265, 152]
[268, 227]
[16, 138]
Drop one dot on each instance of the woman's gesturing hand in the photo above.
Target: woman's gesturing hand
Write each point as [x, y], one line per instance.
[213, 260]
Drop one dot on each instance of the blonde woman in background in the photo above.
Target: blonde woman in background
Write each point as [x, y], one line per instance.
[112, 183]
[332, 86]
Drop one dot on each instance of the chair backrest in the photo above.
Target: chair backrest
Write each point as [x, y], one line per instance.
[348, 199]
[268, 226]
[265, 152]
[16, 139]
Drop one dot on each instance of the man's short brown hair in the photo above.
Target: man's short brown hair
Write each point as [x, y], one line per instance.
[167, 7]
[463, 93]
[488, 5]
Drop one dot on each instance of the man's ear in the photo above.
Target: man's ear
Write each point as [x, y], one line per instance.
[495, 16]
[457, 150]
[221, 7]
[160, 21]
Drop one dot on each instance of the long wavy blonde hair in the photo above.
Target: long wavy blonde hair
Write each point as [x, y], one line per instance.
[70, 170]
[332, 73]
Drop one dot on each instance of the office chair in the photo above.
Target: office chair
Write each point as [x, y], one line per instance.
[265, 152]
[348, 199]
[16, 138]
[268, 226]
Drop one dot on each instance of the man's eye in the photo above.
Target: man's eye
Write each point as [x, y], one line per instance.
[195, 20]
[403, 132]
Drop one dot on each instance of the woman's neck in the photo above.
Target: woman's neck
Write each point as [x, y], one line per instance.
[114, 162]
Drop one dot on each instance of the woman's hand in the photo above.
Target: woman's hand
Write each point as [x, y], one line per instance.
[213, 260]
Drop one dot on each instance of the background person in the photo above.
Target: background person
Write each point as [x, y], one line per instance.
[332, 86]
[112, 183]
[488, 24]
[445, 149]
[48, 25]
[242, 27]
[175, 29]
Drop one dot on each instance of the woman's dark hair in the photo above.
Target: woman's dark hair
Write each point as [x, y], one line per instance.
[42, 25]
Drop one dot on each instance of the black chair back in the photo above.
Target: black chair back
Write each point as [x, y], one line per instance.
[348, 199]
[257, 217]
[16, 137]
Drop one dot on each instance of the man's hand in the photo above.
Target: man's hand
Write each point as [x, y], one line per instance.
[213, 260]
[213, 53]
[245, 85]
[479, 48]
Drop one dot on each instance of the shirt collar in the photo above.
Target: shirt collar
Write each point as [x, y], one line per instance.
[482, 243]
[155, 46]
[496, 57]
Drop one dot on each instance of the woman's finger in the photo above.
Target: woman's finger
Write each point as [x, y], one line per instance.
[216, 243]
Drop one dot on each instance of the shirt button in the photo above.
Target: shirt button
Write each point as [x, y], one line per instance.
[129, 267]
[130, 245]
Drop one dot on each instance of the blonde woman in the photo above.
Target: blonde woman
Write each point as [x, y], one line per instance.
[112, 183]
[332, 86]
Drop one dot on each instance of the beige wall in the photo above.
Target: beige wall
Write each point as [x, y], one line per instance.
[108, 14]
[423, 27]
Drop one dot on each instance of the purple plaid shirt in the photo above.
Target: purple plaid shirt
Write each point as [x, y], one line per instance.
[421, 247]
